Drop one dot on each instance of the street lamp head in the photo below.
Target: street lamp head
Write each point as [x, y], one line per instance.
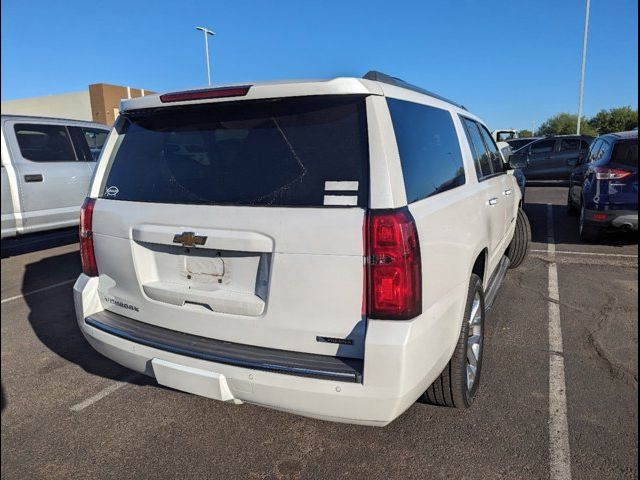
[206, 30]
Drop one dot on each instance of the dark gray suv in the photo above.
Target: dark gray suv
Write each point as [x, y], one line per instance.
[551, 158]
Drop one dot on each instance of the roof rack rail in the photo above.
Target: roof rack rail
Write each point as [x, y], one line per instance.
[388, 79]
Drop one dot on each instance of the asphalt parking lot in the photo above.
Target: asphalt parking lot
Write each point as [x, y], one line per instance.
[67, 412]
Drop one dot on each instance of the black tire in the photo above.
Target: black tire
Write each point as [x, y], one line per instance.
[588, 233]
[572, 210]
[519, 246]
[451, 389]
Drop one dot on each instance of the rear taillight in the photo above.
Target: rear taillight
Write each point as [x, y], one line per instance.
[87, 254]
[394, 283]
[603, 173]
[220, 92]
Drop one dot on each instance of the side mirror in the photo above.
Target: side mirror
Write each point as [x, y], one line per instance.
[518, 161]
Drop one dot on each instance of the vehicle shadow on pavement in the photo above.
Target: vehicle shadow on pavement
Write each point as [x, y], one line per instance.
[52, 318]
[566, 229]
[38, 241]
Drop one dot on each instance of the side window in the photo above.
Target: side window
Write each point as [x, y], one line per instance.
[584, 146]
[593, 151]
[88, 142]
[44, 143]
[496, 159]
[570, 145]
[604, 151]
[429, 150]
[543, 146]
[481, 156]
[95, 138]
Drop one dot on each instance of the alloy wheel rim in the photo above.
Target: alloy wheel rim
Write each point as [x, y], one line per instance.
[474, 341]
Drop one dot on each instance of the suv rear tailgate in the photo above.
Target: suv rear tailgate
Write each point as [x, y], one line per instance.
[241, 224]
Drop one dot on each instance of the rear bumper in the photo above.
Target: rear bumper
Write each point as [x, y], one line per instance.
[613, 219]
[401, 360]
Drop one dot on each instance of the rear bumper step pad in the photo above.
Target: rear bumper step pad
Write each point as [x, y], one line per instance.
[258, 358]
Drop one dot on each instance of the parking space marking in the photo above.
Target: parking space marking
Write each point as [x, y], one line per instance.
[55, 285]
[559, 451]
[78, 407]
[562, 252]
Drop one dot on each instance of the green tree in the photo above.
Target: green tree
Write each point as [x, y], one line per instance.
[615, 120]
[565, 124]
[525, 133]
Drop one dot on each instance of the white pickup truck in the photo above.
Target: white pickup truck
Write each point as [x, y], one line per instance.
[47, 165]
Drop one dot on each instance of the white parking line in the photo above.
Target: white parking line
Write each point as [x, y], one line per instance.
[561, 252]
[78, 407]
[55, 285]
[559, 451]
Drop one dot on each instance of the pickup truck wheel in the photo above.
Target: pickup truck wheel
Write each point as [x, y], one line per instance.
[458, 383]
[519, 246]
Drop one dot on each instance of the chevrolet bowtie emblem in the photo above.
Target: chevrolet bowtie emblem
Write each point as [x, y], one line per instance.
[189, 239]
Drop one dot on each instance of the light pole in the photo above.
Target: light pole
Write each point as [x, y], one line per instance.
[207, 32]
[584, 64]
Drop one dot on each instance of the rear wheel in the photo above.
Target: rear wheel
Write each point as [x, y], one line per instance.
[588, 233]
[458, 383]
[519, 246]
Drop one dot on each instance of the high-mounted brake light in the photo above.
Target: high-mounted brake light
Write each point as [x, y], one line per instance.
[394, 282]
[87, 253]
[220, 92]
[603, 173]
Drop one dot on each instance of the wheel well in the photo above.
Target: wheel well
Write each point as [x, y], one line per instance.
[479, 265]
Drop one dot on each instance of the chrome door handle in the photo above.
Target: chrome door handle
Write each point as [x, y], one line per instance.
[508, 191]
[493, 201]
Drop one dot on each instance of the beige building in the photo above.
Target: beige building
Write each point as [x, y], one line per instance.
[99, 103]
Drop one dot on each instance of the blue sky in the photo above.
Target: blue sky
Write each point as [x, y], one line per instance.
[512, 63]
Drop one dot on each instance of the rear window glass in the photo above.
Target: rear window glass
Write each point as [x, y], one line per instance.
[626, 153]
[305, 151]
[44, 143]
[429, 150]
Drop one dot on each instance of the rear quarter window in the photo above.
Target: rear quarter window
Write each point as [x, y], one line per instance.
[429, 150]
[306, 151]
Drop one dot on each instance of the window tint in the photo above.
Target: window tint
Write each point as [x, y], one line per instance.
[570, 145]
[481, 156]
[584, 146]
[625, 152]
[429, 149]
[44, 143]
[543, 146]
[496, 159]
[519, 143]
[279, 152]
[593, 149]
[95, 139]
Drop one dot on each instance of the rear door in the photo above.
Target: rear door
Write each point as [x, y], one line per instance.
[571, 151]
[493, 186]
[240, 221]
[52, 181]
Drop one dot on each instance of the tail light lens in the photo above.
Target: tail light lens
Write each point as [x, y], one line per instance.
[87, 254]
[610, 173]
[394, 283]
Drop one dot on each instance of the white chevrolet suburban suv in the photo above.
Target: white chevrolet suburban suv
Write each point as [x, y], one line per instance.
[328, 248]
